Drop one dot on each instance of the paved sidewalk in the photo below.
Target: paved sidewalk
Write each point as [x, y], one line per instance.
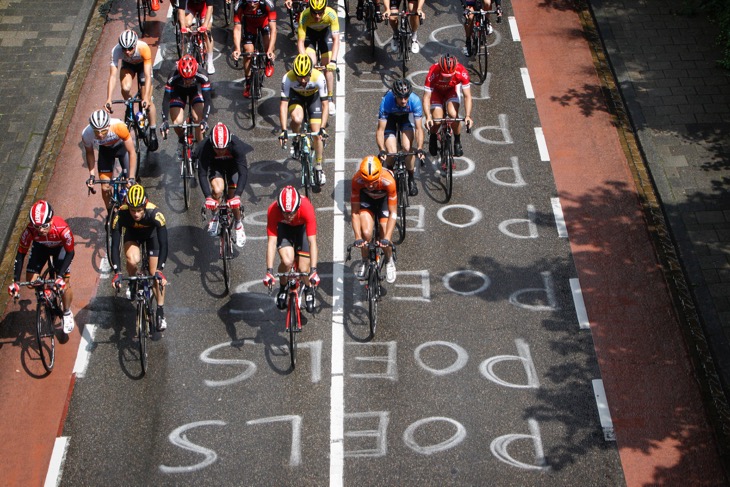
[679, 104]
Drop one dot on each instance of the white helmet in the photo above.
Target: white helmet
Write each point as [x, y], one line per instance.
[99, 120]
[128, 39]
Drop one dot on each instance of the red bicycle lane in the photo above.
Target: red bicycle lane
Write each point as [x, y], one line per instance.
[661, 427]
[34, 403]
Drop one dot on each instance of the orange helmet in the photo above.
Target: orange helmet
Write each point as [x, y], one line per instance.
[370, 168]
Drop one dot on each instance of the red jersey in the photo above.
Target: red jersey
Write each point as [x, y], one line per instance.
[59, 235]
[257, 17]
[304, 216]
[437, 81]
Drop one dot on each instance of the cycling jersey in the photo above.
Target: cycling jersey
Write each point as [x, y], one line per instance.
[199, 7]
[328, 20]
[58, 237]
[316, 84]
[117, 134]
[180, 90]
[384, 187]
[153, 221]
[389, 107]
[304, 216]
[255, 18]
[142, 55]
[437, 81]
[231, 163]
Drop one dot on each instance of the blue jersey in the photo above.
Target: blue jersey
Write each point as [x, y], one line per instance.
[389, 107]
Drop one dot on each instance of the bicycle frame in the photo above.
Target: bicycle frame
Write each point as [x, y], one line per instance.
[293, 312]
[119, 193]
[49, 309]
[145, 319]
[187, 169]
[400, 172]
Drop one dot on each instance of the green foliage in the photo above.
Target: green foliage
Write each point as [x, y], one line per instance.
[718, 11]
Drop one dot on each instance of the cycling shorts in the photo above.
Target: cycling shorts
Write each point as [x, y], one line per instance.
[398, 122]
[148, 236]
[311, 104]
[137, 69]
[376, 207]
[180, 100]
[319, 40]
[39, 256]
[107, 156]
[230, 174]
[293, 236]
[441, 98]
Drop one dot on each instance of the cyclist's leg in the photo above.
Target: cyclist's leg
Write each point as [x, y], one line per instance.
[198, 105]
[126, 80]
[217, 184]
[132, 254]
[154, 252]
[367, 223]
[384, 218]
[315, 122]
[105, 168]
[177, 115]
[406, 141]
[390, 142]
[57, 257]
[232, 177]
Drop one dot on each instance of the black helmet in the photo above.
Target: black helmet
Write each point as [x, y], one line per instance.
[402, 88]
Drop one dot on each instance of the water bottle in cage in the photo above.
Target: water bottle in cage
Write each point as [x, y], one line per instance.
[141, 120]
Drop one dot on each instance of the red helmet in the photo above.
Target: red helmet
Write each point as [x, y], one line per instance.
[289, 200]
[448, 63]
[220, 136]
[187, 66]
[40, 213]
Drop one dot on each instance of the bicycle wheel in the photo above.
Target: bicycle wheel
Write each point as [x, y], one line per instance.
[482, 52]
[255, 92]
[448, 156]
[225, 254]
[141, 325]
[370, 25]
[402, 204]
[306, 173]
[292, 316]
[45, 334]
[187, 175]
[405, 49]
[179, 39]
[372, 291]
[142, 15]
[228, 11]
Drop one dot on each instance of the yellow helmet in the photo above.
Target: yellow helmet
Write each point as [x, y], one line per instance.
[317, 4]
[302, 65]
[136, 197]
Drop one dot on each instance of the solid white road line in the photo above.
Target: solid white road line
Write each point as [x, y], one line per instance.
[603, 412]
[55, 467]
[85, 346]
[513, 27]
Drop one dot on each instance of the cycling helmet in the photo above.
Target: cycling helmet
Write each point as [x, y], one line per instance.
[302, 65]
[40, 213]
[370, 168]
[220, 136]
[99, 120]
[136, 197]
[289, 200]
[187, 66]
[402, 88]
[128, 39]
[447, 63]
[317, 5]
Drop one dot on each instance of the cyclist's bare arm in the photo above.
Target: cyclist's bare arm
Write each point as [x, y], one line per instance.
[111, 84]
[313, 251]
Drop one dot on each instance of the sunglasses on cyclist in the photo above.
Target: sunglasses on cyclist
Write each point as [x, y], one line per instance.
[318, 12]
[42, 226]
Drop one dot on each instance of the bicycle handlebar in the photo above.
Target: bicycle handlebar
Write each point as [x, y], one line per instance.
[112, 182]
[451, 120]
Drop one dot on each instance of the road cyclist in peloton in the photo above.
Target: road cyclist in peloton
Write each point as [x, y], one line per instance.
[319, 30]
[135, 57]
[401, 109]
[114, 142]
[470, 6]
[304, 87]
[49, 239]
[374, 199]
[187, 11]
[256, 16]
[188, 84]
[222, 159]
[440, 99]
[142, 222]
[414, 6]
[291, 229]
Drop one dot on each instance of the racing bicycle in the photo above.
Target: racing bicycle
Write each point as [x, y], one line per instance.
[145, 317]
[259, 61]
[293, 323]
[187, 164]
[374, 275]
[119, 193]
[445, 135]
[371, 16]
[479, 36]
[49, 315]
[401, 182]
[144, 9]
[137, 121]
[295, 12]
[303, 150]
[405, 37]
[225, 233]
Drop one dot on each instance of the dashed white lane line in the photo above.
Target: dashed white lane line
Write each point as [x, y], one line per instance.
[559, 218]
[542, 144]
[85, 346]
[580, 306]
[603, 412]
[513, 28]
[527, 83]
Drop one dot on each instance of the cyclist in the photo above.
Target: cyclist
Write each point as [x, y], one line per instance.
[291, 228]
[111, 137]
[258, 16]
[414, 6]
[136, 60]
[50, 240]
[360, 11]
[189, 84]
[440, 99]
[374, 197]
[223, 155]
[303, 88]
[142, 222]
[400, 109]
[319, 30]
[469, 7]
[187, 12]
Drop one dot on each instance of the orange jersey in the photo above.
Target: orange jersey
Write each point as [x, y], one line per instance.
[383, 187]
[117, 134]
[142, 54]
